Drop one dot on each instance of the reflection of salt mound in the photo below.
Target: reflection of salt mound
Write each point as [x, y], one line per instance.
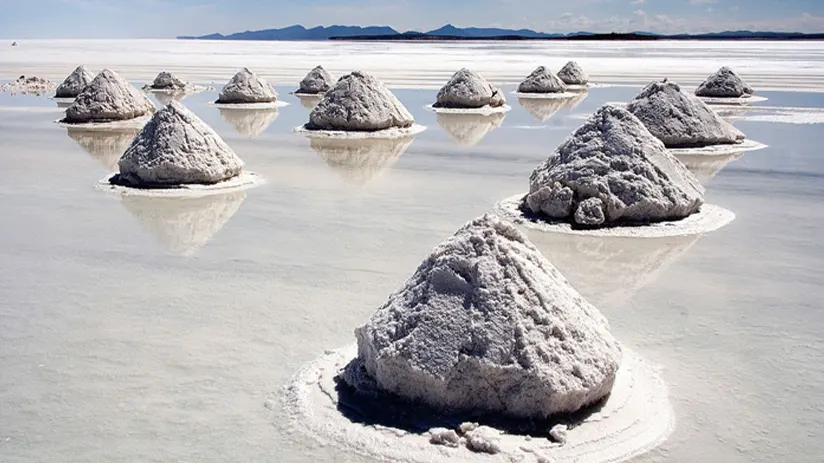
[317, 81]
[724, 83]
[468, 90]
[679, 119]
[183, 225]
[165, 98]
[543, 109]
[469, 129]
[108, 98]
[360, 160]
[573, 74]
[487, 325]
[104, 145]
[249, 122]
[247, 87]
[74, 83]
[610, 171]
[309, 101]
[705, 167]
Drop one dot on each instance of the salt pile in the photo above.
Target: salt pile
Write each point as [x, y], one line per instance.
[573, 74]
[168, 82]
[542, 80]
[247, 88]
[469, 129]
[31, 85]
[249, 122]
[317, 81]
[360, 161]
[468, 90]
[724, 83]
[108, 98]
[74, 83]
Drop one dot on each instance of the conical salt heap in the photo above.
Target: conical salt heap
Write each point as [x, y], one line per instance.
[167, 81]
[542, 80]
[612, 170]
[317, 81]
[74, 83]
[573, 74]
[247, 88]
[468, 90]
[725, 83]
[359, 102]
[487, 325]
[108, 98]
[679, 119]
[176, 148]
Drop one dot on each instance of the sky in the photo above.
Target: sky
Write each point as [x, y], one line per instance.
[170, 18]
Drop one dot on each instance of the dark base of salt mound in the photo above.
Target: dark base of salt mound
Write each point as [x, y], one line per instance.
[125, 181]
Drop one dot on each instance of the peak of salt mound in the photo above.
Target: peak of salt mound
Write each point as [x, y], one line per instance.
[177, 148]
[542, 80]
[168, 81]
[74, 83]
[317, 81]
[486, 324]
[359, 102]
[467, 89]
[247, 87]
[724, 83]
[679, 119]
[613, 170]
[108, 97]
[573, 74]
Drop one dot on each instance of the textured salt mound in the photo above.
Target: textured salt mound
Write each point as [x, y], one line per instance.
[176, 148]
[249, 122]
[359, 161]
[542, 80]
[32, 85]
[487, 325]
[573, 74]
[679, 119]
[74, 83]
[167, 81]
[725, 83]
[469, 129]
[359, 102]
[317, 81]
[611, 171]
[108, 98]
[247, 87]
[467, 89]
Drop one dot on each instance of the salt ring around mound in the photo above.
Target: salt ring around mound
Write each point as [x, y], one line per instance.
[386, 134]
[243, 181]
[189, 89]
[546, 96]
[636, 418]
[740, 101]
[709, 218]
[269, 105]
[136, 123]
[482, 111]
[719, 150]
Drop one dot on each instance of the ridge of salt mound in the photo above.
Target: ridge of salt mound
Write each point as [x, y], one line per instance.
[361, 103]
[317, 81]
[168, 81]
[681, 120]
[573, 74]
[724, 83]
[176, 148]
[247, 87]
[486, 324]
[542, 80]
[612, 170]
[74, 83]
[468, 90]
[108, 97]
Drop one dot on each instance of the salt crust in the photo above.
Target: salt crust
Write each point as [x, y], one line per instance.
[188, 89]
[135, 123]
[744, 100]
[269, 105]
[719, 150]
[636, 418]
[392, 132]
[709, 218]
[547, 96]
[483, 111]
[240, 182]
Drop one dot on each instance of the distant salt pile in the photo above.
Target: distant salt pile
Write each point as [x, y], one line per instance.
[108, 98]
[14, 44]
[317, 81]
[168, 82]
[679, 119]
[31, 85]
[247, 88]
[74, 83]
[542, 80]
[724, 83]
[468, 90]
[573, 74]
[469, 129]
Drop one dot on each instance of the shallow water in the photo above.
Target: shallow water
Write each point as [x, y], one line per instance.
[161, 331]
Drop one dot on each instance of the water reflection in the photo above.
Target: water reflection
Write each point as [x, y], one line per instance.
[104, 145]
[469, 129]
[165, 98]
[249, 122]
[706, 167]
[359, 161]
[64, 104]
[309, 101]
[543, 109]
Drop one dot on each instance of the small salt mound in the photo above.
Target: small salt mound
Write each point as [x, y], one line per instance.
[679, 119]
[31, 85]
[108, 98]
[247, 87]
[487, 325]
[469, 129]
[167, 81]
[468, 90]
[317, 81]
[613, 170]
[573, 74]
[74, 83]
[176, 148]
[359, 102]
[542, 80]
[724, 83]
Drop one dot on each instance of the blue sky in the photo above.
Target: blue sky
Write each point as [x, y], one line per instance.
[168, 18]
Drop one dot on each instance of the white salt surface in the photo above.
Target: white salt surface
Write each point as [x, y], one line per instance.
[243, 181]
[719, 150]
[748, 100]
[137, 122]
[781, 115]
[636, 418]
[547, 96]
[483, 111]
[390, 133]
[710, 218]
[269, 105]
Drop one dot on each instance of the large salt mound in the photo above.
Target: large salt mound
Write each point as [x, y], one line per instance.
[612, 170]
[467, 90]
[247, 87]
[108, 98]
[317, 81]
[680, 120]
[359, 102]
[74, 83]
[573, 74]
[542, 80]
[168, 81]
[487, 325]
[724, 83]
[177, 148]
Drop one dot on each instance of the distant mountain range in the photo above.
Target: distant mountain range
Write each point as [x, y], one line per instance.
[450, 32]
